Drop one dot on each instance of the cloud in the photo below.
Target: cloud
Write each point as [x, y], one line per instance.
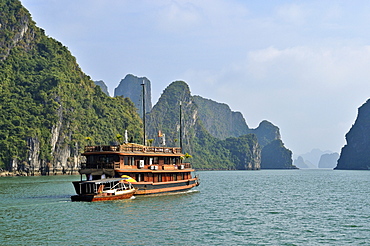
[311, 93]
[177, 16]
[334, 67]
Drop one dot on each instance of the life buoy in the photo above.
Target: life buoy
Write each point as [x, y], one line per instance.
[144, 149]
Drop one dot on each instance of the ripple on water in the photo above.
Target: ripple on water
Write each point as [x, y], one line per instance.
[229, 208]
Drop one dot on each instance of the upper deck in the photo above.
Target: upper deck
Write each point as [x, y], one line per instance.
[134, 149]
[133, 157]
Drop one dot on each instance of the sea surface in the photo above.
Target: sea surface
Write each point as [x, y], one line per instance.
[268, 207]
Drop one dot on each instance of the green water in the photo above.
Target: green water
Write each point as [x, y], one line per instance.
[290, 207]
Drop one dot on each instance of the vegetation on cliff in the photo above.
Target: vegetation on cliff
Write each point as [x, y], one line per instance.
[49, 110]
[219, 120]
[222, 123]
[208, 151]
[275, 156]
[48, 106]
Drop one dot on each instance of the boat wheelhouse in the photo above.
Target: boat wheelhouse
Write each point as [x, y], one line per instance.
[155, 169]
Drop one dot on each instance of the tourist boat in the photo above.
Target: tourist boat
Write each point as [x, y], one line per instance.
[102, 190]
[155, 169]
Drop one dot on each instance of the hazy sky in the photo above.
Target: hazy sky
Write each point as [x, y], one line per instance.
[302, 65]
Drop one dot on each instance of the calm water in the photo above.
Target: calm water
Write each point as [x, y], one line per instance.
[290, 207]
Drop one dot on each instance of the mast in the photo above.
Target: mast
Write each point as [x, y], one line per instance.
[181, 126]
[143, 84]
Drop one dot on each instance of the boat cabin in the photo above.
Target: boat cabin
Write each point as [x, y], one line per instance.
[149, 164]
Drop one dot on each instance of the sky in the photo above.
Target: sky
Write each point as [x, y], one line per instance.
[302, 65]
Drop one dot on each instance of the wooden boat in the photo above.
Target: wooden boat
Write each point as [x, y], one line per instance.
[155, 169]
[102, 190]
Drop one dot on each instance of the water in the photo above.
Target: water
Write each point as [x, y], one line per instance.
[269, 207]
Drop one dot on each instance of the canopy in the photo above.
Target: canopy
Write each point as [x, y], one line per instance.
[128, 179]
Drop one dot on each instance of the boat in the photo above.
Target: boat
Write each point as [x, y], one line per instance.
[154, 170]
[102, 190]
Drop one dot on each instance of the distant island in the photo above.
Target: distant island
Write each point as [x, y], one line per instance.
[317, 158]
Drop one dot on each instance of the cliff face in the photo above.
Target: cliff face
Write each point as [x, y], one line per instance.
[355, 155]
[217, 137]
[276, 156]
[208, 152]
[131, 87]
[219, 120]
[48, 106]
[222, 123]
[103, 86]
[165, 116]
[14, 28]
[266, 132]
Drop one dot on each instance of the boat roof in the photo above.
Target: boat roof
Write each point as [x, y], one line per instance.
[103, 181]
[133, 149]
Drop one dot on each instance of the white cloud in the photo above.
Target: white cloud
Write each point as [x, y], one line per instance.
[307, 91]
[179, 16]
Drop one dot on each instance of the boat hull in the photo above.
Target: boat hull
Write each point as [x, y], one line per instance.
[102, 197]
[150, 188]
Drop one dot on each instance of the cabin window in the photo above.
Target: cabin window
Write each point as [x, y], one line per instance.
[159, 177]
[155, 160]
[151, 161]
[166, 160]
[102, 159]
[174, 177]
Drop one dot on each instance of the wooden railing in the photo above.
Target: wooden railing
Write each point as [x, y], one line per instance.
[133, 148]
[116, 165]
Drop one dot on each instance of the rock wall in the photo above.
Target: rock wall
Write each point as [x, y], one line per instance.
[219, 120]
[49, 107]
[103, 86]
[355, 155]
[131, 87]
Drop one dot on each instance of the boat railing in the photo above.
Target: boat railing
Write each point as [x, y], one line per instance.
[100, 148]
[116, 165]
[186, 165]
[133, 148]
